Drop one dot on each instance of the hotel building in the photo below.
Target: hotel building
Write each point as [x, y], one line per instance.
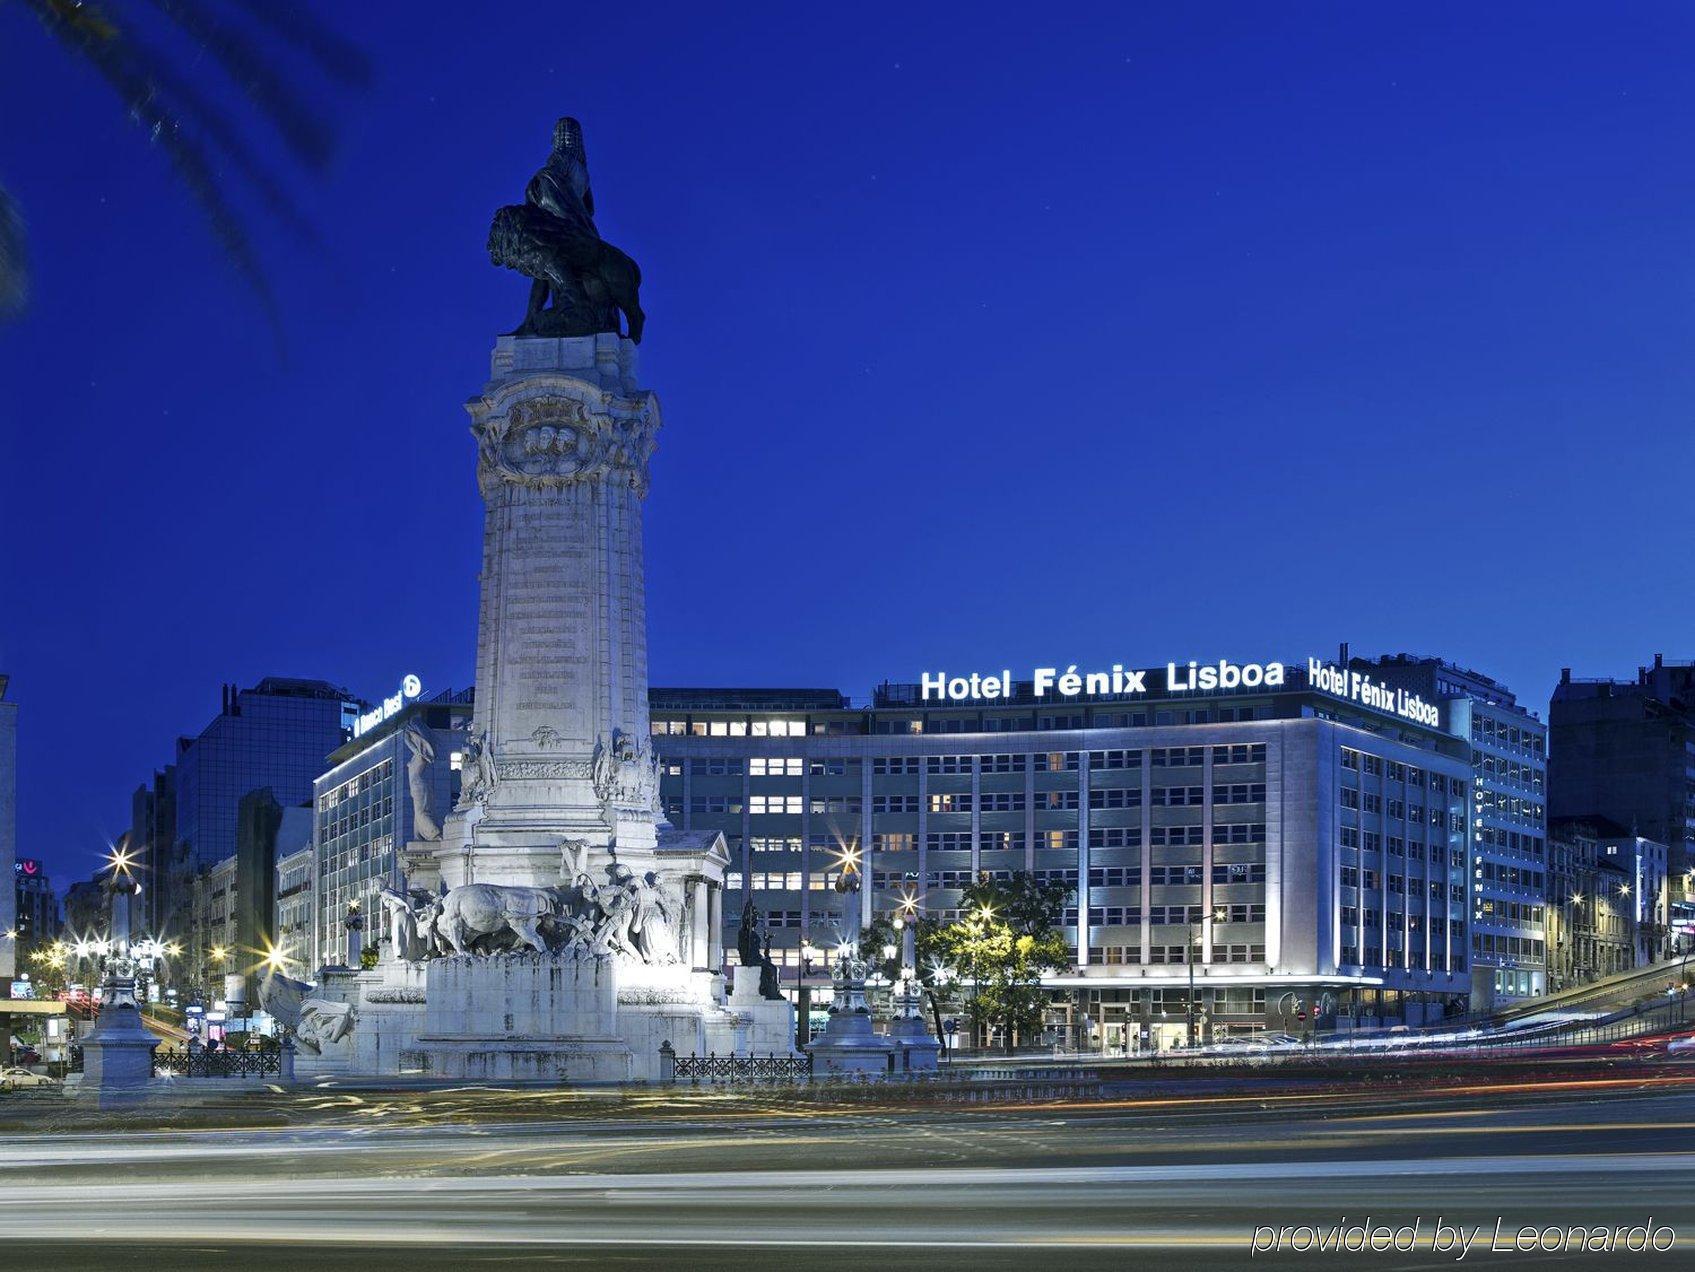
[1509, 820]
[1321, 815]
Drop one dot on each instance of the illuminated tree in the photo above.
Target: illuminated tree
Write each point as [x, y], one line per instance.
[1007, 938]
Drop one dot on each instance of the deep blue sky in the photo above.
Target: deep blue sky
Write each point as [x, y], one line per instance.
[1124, 334]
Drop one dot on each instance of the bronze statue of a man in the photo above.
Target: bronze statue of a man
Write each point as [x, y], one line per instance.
[551, 238]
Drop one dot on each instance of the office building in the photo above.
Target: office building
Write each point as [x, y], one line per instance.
[37, 908]
[366, 809]
[297, 909]
[152, 838]
[273, 736]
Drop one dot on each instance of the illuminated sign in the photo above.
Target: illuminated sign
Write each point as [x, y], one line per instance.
[27, 866]
[1222, 676]
[1115, 682]
[1356, 686]
[410, 688]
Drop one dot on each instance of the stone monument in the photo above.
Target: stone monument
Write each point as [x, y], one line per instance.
[555, 925]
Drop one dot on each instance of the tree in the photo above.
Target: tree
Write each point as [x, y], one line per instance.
[182, 116]
[1007, 939]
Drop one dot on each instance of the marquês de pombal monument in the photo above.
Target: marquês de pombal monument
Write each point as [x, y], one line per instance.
[559, 927]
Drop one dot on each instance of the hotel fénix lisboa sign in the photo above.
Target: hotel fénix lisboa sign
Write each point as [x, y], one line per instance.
[1223, 676]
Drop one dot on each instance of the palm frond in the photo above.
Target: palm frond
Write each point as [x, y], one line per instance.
[341, 59]
[201, 113]
[14, 264]
[105, 52]
[307, 134]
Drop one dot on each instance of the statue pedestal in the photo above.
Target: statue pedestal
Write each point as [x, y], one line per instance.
[769, 1027]
[848, 1043]
[117, 1055]
[917, 1045]
[523, 1016]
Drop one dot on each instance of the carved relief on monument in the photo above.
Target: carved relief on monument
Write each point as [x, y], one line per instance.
[560, 438]
[420, 752]
[543, 770]
[478, 775]
[626, 773]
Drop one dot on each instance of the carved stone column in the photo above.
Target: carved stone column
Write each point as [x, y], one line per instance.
[715, 926]
[559, 742]
[700, 924]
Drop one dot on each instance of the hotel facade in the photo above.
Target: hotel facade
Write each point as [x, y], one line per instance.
[1300, 832]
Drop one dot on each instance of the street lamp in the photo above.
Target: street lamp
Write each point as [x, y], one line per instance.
[806, 954]
[1217, 916]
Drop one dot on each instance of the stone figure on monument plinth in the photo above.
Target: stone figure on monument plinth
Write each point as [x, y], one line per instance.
[475, 913]
[411, 921]
[421, 751]
[625, 773]
[476, 781]
[313, 1022]
[747, 935]
[551, 237]
[768, 986]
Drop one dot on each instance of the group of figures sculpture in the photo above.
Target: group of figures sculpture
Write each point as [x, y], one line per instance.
[628, 916]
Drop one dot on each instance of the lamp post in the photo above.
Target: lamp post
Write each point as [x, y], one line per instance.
[980, 929]
[1189, 958]
[354, 922]
[803, 992]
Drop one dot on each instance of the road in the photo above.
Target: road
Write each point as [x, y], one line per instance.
[701, 1180]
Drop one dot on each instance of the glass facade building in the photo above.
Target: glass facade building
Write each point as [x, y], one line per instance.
[273, 735]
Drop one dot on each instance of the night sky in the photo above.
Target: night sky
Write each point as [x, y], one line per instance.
[986, 338]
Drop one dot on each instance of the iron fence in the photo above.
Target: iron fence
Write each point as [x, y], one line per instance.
[766, 1068]
[183, 1062]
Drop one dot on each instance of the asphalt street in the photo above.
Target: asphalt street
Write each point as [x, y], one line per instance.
[702, 1180]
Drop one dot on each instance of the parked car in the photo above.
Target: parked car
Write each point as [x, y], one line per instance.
[25, 1054]
[17, 1078]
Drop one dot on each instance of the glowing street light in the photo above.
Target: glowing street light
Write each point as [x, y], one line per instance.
[274, 961]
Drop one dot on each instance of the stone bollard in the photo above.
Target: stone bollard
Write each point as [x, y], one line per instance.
[285, 1060]
[667, 1062]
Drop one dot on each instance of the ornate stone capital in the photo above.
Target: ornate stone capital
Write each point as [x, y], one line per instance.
[561, 431]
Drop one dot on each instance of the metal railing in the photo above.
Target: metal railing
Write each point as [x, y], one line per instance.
[716, 1068]
[185, 1062]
